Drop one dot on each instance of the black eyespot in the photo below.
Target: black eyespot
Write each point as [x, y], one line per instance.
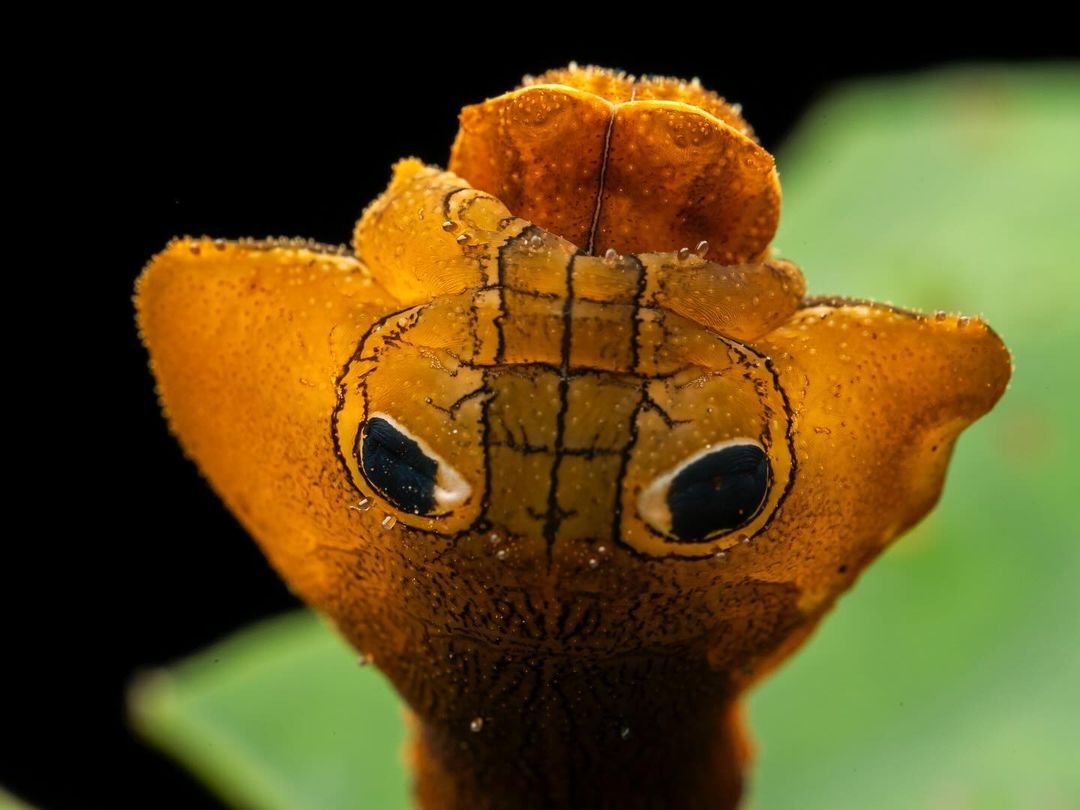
[396, 466]
[718, 492]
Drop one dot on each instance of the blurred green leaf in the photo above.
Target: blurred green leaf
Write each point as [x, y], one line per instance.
[281, 715]
[9, 802]
[948, 677]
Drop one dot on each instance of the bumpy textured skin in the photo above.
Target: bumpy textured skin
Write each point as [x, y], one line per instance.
[556, 649]
[651, 165]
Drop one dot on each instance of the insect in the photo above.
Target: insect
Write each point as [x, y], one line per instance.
[561, 446]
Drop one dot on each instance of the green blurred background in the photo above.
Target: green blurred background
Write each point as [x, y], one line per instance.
[948, 677]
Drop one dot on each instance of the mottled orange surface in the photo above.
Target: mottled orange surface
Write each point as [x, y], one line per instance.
[545, 327]
[607, 161]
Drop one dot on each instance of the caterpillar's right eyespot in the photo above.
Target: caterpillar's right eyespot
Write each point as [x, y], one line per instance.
[709, 494]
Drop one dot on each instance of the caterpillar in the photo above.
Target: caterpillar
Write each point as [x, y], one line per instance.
[560, 444]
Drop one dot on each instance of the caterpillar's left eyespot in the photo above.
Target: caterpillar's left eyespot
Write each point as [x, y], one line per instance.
[405, 470]
[411, 418]
[709, 494]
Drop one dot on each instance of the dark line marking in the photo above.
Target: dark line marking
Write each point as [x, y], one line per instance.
[560, 622]
[635, 355]
[790, 435]
[446, 200]
[600, 181]
[588, 618]
[665, 335]
[485, 443]
[540, 449]
[519, 291]
[657, 408]
[524, 449]
[554, 519]
[536, 615]
[613, 301]
[474, 326]
[839, 302]
[624, 463]
[524, 446]
[635, 315]
[521, 368]
[455, 406]
[339, 381]
[500, 286]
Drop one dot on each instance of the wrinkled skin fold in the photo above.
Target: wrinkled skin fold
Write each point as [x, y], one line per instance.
[542, 359]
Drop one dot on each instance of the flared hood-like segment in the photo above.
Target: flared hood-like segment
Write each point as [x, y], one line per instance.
[605, 160]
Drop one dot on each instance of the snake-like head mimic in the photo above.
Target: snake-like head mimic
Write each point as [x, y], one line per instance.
[561, 446]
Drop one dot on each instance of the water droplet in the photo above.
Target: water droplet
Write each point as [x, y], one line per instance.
[495, 538]
[611, 255]
[624, 732]
[219, 244]
[701, 249]
[462, 238]
[420, 213]
[502, 554]
[536, 241]
[449, 226]
[362, 505]
[683, 254]
[476, 725]
[389, 522]
[594, 563]
[194, 249]
[962, 322]
[601, 549]
[940, 316]
[744, 539]
[721, 555]
[363, 659]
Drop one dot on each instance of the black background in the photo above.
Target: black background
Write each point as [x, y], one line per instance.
[232, 131]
